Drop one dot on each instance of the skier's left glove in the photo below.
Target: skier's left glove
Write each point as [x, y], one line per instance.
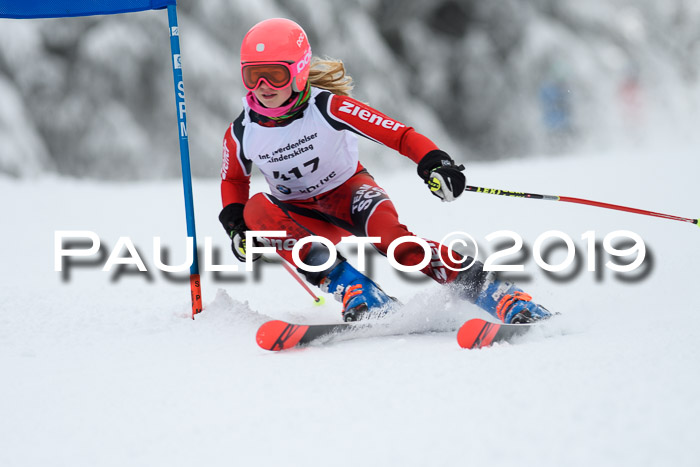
[444, 178]
[231, 217]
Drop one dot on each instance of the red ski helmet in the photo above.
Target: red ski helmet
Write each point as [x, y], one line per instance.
[276, 40]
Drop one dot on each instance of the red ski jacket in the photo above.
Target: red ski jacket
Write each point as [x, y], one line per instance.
[312, 152]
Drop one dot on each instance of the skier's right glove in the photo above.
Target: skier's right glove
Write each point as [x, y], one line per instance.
[444, 178]
[231, 217]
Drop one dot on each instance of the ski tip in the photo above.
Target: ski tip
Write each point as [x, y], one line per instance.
[279, 335]
[476, 333]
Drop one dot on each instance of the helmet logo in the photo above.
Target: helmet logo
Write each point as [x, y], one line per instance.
[300, 40]
[260, 47]
[304, 61]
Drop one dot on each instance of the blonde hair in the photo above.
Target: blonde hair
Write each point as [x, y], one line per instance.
[329, 74]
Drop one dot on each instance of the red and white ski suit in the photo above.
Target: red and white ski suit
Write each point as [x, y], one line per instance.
[317, 184]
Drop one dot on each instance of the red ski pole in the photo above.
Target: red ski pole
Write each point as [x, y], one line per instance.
[567, 199]
[317, 299]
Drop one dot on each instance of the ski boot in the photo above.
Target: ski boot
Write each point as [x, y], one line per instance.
[503, 300]
[361, 297]
[509, 303]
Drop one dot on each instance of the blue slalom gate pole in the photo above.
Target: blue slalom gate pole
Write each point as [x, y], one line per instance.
[195, 284]
[65, 8]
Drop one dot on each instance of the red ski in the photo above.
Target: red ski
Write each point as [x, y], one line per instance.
[280, 335]
[478, 333]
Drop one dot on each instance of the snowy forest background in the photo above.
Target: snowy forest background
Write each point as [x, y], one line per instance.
[93, 97]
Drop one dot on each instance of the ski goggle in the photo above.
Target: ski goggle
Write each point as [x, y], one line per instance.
[277, 75]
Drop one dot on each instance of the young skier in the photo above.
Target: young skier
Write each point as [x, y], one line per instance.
[299, 127]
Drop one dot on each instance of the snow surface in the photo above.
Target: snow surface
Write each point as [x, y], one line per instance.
[104, 371]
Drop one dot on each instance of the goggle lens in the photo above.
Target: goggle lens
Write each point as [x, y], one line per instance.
[276, 75]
